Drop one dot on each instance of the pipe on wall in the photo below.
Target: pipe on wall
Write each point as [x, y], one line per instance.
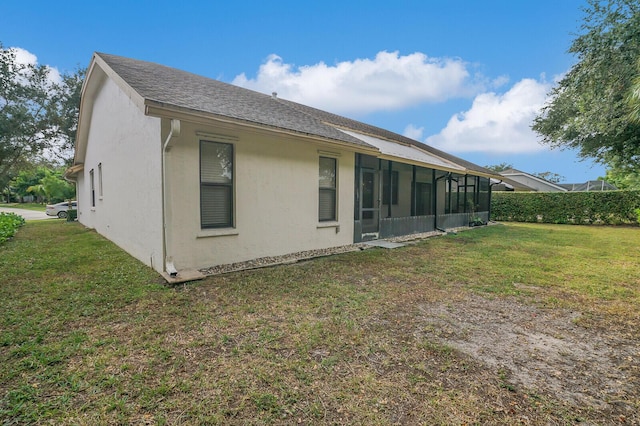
[169, 267]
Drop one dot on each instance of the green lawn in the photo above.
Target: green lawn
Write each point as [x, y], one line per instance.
[88, 335]
[27, 206]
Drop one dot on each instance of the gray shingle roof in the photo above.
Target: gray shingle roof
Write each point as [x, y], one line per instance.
[181, 89]
[184, 90]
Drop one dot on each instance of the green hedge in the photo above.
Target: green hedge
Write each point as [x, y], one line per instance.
[9, 224]
[582, 208]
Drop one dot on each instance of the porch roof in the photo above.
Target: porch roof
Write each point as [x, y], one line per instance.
[410, 153]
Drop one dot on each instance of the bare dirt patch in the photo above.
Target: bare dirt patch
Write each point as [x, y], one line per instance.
[543, 351]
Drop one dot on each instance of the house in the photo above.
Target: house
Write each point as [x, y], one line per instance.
[185, 172]
[516, 180]
[522, 181]
[590, 185]
[506, 184]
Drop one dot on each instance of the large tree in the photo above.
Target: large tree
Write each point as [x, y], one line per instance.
[37, 114]
[65, 118]
[634, 97]
[589, 108]
[623, 177]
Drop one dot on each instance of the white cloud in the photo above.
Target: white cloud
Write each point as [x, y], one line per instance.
[500, 81]
[387, 82]
[413, 132]
[497, 123]
[25, 57]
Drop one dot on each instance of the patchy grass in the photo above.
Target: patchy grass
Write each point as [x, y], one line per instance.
[91, 336]
[579, 267]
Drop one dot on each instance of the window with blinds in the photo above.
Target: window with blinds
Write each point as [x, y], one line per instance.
[327, 193]
[216, 184]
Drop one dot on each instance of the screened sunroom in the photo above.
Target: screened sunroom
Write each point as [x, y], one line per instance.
[394, 198]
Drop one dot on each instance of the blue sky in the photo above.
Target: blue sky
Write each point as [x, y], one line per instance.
[465, 76]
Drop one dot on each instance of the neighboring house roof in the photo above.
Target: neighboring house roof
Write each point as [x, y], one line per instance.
[168, 88]
[506, 184]
[534, 183]
[591, 185]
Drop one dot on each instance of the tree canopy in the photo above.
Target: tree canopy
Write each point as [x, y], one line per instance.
[623, 177]
[590, 108]
[38, 115]
[634, 97]
[46, 184]
[499, 167]
[550, 176]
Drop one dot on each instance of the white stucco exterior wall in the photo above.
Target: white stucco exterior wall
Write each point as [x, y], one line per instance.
[276, 197]
[127, 145]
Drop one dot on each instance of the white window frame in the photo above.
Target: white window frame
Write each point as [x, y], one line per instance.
[230, 187]
[92, 188]
[324, 189]
[100, 193]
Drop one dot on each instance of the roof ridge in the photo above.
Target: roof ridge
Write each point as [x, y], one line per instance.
[170, 86]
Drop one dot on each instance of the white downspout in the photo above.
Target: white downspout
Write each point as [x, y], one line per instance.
[174, 132]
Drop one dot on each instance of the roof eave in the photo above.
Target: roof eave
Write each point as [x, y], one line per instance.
[72, 172]
[163, 110]
[97, 73]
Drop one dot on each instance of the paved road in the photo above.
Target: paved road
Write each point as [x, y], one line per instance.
[27, 214]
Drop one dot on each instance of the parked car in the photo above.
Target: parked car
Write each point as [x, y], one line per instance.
[60, 209]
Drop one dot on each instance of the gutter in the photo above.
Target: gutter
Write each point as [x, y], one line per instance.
[169, 267]
[160, 110]
[71, 173]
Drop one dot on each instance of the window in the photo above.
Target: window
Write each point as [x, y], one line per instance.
[216, 184]
[93, 188]
[100, 180]
[327, 192]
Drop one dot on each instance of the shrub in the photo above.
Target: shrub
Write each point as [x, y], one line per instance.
[581, 208]
[9, 224]
[72, 214]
